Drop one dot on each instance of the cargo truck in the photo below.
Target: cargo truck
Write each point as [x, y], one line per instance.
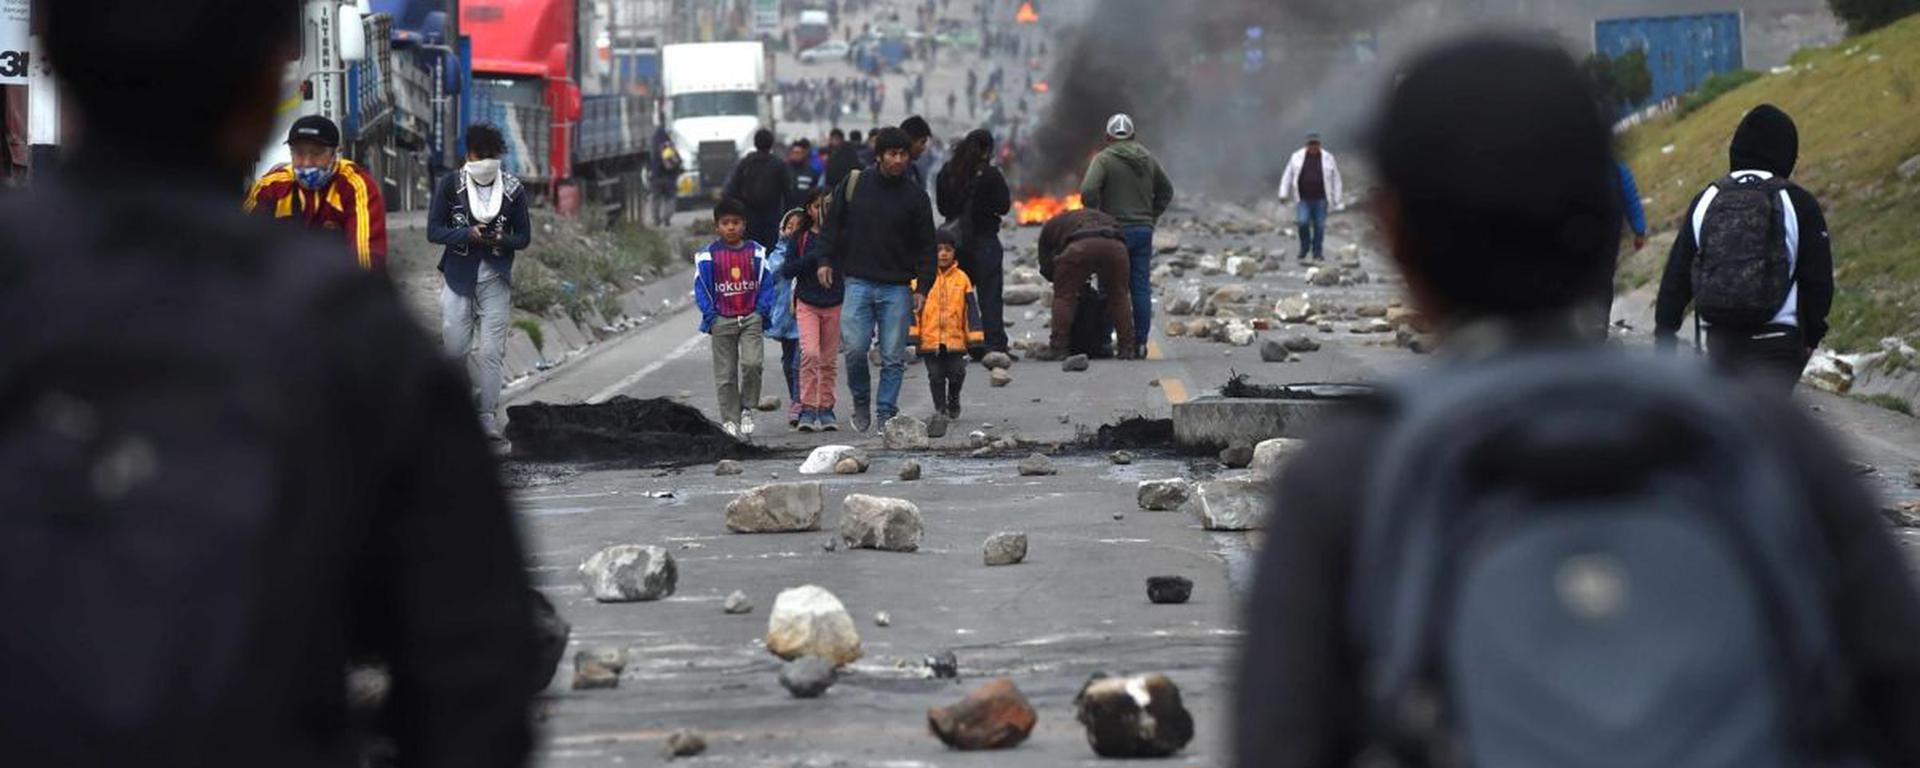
[716, 97]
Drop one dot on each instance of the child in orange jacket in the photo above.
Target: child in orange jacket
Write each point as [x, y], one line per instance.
[947, 329]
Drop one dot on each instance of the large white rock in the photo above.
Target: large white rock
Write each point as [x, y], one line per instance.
[1828, 372]
[1269, 456]
[1242, 266]
[810, 621]
[821, 461]
[1293, 309]
[1238, 504]
[1239, 334]
[875, 522]
[629, 572]
[1022, 295]
[776, 508]
[1163, 495]
[906, 433]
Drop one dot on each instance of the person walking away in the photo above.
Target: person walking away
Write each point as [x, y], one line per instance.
[762, 182]
[664, 167]
[952, 101]
[1312, 181]
[1074, 247]
[480, 217]
[1753, 259]
[321, 190]
[1491, 557]
[879, 239]
[817, 298]
[782, 326]
[972, 195]
[1126, 183]
[800, 171]
[946, 332]
[735, 294]
[228, 441]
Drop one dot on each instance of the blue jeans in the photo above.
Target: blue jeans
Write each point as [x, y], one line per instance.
[872, 306]
[1311, 215]
[1140, 279]
[790, 365]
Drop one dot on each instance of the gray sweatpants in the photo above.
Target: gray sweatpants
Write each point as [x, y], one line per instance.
[739, 347]
[485, 315]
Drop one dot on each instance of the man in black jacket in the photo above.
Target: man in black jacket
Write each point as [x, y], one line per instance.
[764, 183]
[843, 156]
[231, 463]
[1501, 259]
[879, 238]
[1765, 146]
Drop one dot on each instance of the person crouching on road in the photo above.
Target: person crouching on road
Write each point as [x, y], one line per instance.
[480, 216]
[782, 325]
[320, 189]
[735, 293]
[818, 293]
[1075, 246]
[946, 332]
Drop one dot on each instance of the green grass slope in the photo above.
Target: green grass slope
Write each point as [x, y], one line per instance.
[1857, 104]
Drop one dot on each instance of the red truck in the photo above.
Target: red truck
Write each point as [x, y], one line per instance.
[532, 59]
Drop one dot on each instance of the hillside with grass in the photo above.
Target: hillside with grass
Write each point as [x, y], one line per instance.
[1857, 104]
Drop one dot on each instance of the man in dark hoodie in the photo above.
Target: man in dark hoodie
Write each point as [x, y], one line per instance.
[1127, 183]
[1500, 258]
[1791, 237]
[764, 183]
[879, 238]
[228, 447]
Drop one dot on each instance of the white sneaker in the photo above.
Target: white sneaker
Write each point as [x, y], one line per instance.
[732, 429]
[746, 424]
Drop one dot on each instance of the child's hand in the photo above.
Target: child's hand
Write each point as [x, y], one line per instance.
[825, 276]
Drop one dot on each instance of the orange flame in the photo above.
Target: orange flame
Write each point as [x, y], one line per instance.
[1026, 14]
[1040, 86]
[1039, 208]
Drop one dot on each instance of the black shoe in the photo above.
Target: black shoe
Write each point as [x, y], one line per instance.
[1048, 355]
[937, 426]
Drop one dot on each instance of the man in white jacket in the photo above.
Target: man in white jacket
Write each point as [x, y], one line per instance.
[1312, 181]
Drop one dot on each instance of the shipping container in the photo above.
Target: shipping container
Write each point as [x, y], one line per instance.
[1682, 51]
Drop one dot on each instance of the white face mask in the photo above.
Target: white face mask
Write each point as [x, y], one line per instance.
[484, 172]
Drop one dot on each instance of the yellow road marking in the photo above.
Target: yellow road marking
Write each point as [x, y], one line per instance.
[1153, 351]
[1176, 390]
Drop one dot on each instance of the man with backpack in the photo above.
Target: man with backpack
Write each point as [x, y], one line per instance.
[1545, 551]
[1753, 259]
[763, 181]
[879, 239]
[232, 462]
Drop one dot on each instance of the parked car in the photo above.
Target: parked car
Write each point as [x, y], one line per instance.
[831, 50]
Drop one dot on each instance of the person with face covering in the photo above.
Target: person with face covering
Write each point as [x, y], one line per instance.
[320, 189]
[480, 215]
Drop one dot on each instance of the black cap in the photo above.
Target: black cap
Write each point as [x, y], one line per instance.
[315, 128]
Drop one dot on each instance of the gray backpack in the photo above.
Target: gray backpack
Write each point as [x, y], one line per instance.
[1744, 271]
[1567, 559]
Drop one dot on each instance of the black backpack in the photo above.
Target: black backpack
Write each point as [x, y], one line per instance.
[1744, 271]
[1568, 560]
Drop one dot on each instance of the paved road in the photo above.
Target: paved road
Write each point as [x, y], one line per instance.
[1076, 607]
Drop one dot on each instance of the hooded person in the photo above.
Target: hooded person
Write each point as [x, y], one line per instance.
[1125, 182]
[1770, 326]
[1462, 563]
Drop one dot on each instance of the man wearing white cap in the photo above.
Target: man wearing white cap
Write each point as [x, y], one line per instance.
[1312, 181]
[1125, 182]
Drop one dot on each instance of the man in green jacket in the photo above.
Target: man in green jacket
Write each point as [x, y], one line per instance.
[1125, 182]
